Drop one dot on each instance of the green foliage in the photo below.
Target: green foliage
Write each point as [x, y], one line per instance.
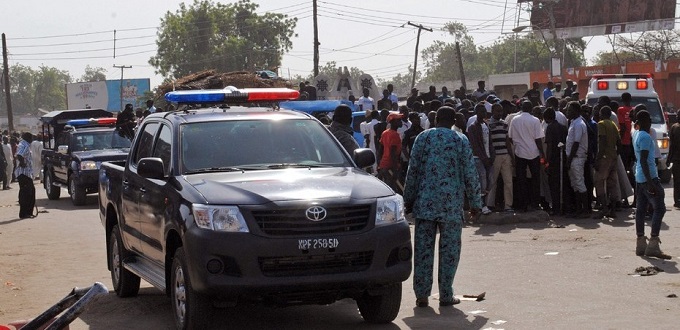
[620, 57]
[93, 74]
[31, 89]
[401, 82]
[224, 37]
[330, 69]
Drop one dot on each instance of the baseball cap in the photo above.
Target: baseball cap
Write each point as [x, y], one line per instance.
[393, 115]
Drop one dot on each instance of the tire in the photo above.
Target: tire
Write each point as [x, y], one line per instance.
[665, 176]
[53, 192]
[78, 194]
[191, 310]
[383, 308]
[125, 283]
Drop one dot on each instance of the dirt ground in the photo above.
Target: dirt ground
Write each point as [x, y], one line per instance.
[568, 274]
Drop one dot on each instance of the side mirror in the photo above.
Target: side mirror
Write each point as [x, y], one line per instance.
[62, 149]
[364, 157]
[151, 168]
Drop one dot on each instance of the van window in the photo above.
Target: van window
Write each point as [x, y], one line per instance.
[652, 104]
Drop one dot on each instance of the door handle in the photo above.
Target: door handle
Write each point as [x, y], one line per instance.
[142, 190]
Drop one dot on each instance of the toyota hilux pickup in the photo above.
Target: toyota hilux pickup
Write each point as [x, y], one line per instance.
[218, 205]
[75, 143]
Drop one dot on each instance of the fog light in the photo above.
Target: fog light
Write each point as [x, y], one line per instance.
[404, 254]
[215, 266]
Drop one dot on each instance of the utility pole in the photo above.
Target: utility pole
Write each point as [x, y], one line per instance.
[415, 61]
[122, 68]
[5, 74]
[316, 41]
[460, 65]
[560, 46]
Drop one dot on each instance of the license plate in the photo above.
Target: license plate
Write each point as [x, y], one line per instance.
[317, 243]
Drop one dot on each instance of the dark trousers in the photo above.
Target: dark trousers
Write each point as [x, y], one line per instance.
[554, 183]
[644, 199]
[3, 176]
[590, 183]
[675, 170]
[529, 190]
[26, 196]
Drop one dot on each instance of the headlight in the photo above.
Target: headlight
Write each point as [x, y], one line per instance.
[88, 165]
[389, 210]
[662, 143]
[219, 218]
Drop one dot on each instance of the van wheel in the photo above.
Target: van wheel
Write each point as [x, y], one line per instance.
[191, 309]
[665, 176]
[125, 283]
[53, 192]
[382, 308]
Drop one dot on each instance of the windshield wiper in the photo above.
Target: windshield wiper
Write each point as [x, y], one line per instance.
[295, 165]
[216, 169]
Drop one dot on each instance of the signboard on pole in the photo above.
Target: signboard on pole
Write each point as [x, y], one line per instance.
[106, 94]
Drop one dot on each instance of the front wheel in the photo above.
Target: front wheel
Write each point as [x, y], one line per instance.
[192, 310]
[78, 194]
[382, 308]
[53, 192]
[125, 283]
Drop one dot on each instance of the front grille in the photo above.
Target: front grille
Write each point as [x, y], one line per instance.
[316, 265]
[292, 222]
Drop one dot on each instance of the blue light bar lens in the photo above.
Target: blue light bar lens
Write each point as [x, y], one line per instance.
[196, 96]
[78, 122]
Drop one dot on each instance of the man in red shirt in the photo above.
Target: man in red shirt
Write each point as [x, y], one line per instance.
[389, 165]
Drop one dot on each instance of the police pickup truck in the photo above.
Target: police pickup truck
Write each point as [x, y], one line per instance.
[75, 143]
[219, 205]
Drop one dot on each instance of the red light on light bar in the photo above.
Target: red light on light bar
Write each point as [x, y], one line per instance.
[642, 84]
[602, 85]
[270, 94]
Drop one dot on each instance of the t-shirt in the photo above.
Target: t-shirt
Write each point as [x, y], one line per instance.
[578, 132]
[366, 103]
[547, 93]
[389, 139]
[499, 134]
[607, 129]
[643, 141]
[524, 130]
[624, 119]
[534, 95]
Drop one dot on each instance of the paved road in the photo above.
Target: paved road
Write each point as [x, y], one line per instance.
[535, 277]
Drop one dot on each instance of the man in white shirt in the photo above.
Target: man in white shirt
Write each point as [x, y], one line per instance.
[393, 96]
[9, 157]
[366, 102]
[526, 133]
[577, 152]
[36, 152]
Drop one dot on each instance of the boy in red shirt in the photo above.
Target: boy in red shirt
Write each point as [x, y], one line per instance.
[390, 165]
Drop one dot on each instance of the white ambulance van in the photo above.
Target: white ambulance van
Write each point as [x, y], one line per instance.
[641, 88]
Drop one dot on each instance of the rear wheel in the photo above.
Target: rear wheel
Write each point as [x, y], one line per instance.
[53, 192]
[381, 308]
[192, 310]
[78, 194]
[125, 283]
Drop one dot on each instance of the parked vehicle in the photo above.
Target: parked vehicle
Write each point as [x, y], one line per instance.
[223, 205]
[75, 144]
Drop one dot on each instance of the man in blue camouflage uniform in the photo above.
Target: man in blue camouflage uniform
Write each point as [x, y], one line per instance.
[441, 173]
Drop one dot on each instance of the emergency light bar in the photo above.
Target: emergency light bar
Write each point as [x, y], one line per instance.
[232, 94]
[623, 75]
[91, 122]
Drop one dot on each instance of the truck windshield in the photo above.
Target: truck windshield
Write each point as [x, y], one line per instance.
[652, 104]
[98, 141]
[258, 144]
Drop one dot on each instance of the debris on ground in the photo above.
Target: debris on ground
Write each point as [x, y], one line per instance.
[647, 271]
[476, 297]
[551, 253]
[605, 257]
[555, 225]
[672, 295]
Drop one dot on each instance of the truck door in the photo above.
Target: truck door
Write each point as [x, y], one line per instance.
[61, 160]
[132, 185]
[154, 208]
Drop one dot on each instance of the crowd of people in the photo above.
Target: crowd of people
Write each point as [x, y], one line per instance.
[547, 150]
[20, 163]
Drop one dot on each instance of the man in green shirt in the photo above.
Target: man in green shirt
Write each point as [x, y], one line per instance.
[606, 178]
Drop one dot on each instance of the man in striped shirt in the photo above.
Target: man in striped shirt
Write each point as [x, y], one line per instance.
[503, 163]
[24, 174]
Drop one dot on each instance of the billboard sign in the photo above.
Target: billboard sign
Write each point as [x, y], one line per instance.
[105, 94]
[580, 18]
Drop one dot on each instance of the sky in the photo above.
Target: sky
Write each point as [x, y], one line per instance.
[371, 35]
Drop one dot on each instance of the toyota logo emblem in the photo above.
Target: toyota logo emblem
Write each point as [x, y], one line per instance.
[316, 213]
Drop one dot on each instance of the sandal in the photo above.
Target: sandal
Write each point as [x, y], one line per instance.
[454, 301]
[422, 302]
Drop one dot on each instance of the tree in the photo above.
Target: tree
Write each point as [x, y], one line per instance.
[49, 88]
[31, 89]
[331, 70]
[93, 74]
[401, 82]
[620, 57]
[654, 45]
[225, 37]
